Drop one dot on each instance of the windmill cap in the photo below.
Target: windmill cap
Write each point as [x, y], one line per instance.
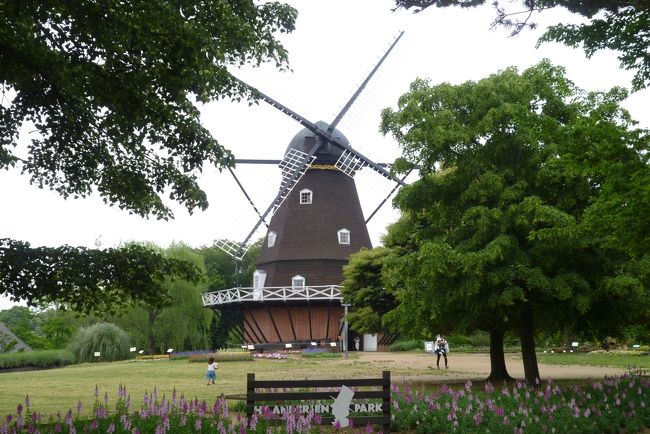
[306, 139]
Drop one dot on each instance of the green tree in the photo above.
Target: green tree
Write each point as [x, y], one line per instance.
[493, 233]
[183, 324]
[620, 25]
[225, 272]
[111, 90]
[364, 288]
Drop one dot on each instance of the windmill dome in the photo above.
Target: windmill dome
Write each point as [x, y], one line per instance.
[305, 140]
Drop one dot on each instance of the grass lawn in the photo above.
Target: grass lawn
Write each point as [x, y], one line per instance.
[613, 359]
[59, 389]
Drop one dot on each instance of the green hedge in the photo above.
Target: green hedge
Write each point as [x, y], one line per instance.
[407, 345]
[37, 359]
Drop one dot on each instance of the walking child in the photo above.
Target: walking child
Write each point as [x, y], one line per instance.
[212, 370]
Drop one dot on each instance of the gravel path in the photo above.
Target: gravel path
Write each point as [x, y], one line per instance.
[475, 367]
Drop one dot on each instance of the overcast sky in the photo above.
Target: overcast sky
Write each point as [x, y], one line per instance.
[335, 44]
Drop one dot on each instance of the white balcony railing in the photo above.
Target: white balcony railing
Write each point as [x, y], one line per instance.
[282, 293]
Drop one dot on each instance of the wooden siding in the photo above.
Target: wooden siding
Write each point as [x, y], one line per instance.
[310, 323]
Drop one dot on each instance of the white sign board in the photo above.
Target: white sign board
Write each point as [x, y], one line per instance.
[428, 346]
[132, 349]
[169, 351]
[97, 353]
[250, 347]
[287, 345]
[574, 344]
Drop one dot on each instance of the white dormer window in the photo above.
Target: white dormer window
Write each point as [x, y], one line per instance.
[344, 236]
[297, 282]
[305, 196]
[270, 238]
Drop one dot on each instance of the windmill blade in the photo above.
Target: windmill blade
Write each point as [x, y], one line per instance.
[250, 201]
[255, 161]
[394, 189]
[299, 167]
[347, 106]
[321, 133]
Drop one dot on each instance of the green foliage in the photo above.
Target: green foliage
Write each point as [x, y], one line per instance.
[363, 287]
[458, 340]
[112, 91]
[495, 233]
[37, 359]
[183, 324]
[108, 339]
[409, 345]
[621, 25]
[103, 280]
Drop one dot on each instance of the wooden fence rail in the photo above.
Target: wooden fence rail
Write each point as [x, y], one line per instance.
[280, 391]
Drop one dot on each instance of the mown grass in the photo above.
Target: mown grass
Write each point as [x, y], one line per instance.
[60, 389]
[610, 359]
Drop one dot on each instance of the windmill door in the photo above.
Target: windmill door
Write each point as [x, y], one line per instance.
[370, 342]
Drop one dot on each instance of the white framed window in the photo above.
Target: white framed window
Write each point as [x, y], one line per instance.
[259, 277]
[344, 236]
[305, 196]
[297, 282]
[270, 238]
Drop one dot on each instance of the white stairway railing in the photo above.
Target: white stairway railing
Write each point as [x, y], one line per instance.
[281, 293]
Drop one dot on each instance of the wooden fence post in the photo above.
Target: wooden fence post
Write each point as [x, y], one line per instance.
[385, 406]
[250, 394]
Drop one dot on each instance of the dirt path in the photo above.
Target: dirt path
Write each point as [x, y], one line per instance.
[475, 367]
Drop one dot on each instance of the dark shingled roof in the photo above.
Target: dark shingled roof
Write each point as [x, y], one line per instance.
[307, 233]
[305, 140]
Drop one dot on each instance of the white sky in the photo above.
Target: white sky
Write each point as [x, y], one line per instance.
[335, 44]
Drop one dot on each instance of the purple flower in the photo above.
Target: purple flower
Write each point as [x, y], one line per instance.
[478, 418]
[197, 424]
[111, 428]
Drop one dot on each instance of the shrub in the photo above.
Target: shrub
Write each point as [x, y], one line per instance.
[36, 359]
[108, 339]
[480, 339]
[458, 340]
[407, 345]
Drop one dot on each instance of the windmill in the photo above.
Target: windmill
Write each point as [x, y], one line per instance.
[314, 224]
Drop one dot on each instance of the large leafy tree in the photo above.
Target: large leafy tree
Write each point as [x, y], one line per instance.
[620, 25]
[494, 234]
[183, 324]
[110, 90]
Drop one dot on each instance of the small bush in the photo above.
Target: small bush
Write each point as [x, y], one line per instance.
[407, 345]
[108, 339]
[458, 340]
[37, 359]
[480, 339]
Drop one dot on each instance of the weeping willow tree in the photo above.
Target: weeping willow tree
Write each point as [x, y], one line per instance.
[183, 325]
[108, 340]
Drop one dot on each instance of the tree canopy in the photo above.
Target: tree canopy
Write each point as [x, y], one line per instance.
[495, 233]
[620, 25]
[111, 92]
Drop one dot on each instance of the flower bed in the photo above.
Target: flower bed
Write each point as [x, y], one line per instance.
[36, 359]
[152, 357]
[610, 406]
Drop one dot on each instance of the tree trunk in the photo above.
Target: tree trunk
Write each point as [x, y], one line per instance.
[151, 336]
[498, 370]
[531, 370]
